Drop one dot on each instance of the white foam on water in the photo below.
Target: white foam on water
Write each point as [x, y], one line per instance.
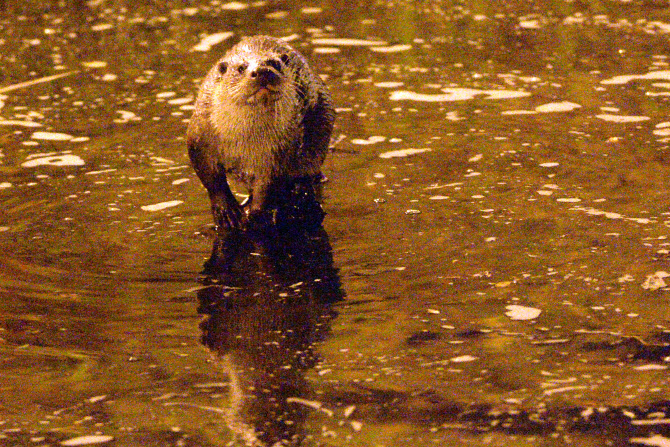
[663, 75]
[53, 136]
[372, 140]
[19, 123]
[327, 50]
[463, 359]
[516, 312]
[519, 112]
[94, 64]
[54, 160]
[389, 84]
[5, 185]
[563, 106]
[179, 101]
[622, 118]
[344, 42]
[391, 48]
[102, 27]
[87, 440]
[456, 94]
[161, 205]
[207, 42]
[654, 441]
[234, 6]
[403, 153]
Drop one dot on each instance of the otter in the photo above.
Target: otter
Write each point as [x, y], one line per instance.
[262, 118]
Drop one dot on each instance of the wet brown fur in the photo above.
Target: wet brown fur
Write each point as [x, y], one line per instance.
[262, 118]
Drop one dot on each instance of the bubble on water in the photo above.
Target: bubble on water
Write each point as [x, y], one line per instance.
[551, 164]
[475, 158]
[438, 197]
[5, 185]
[207, 42]
[622, 118]
[516, 312]
[180, 181]
[403, 153]
[569, 199]
[161, 206]
[109, 77]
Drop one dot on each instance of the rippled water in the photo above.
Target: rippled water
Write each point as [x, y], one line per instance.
[492, 269]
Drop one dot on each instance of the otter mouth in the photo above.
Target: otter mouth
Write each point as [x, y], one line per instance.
[266, 94]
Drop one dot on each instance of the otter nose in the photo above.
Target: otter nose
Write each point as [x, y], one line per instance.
[264, 75]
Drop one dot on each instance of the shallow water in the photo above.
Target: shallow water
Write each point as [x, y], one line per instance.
[491, 269]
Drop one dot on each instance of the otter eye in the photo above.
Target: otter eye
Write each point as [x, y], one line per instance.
[285, 58]
[274, 63]
[241, 68]
[223, 67]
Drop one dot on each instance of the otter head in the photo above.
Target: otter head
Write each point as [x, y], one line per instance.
[255, 72]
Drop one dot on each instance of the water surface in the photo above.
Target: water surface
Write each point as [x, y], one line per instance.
[492, 269]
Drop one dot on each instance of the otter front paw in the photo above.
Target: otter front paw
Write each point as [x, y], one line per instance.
[228, 218]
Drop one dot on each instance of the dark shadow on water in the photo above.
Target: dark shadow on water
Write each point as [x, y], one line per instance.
[267, 299]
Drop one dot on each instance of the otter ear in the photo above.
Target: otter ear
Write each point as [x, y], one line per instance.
[285, 58]
[222, 67]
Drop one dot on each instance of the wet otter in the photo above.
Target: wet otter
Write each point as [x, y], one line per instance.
[264, 118]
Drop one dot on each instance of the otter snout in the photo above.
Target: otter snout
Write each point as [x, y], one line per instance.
[265, 75]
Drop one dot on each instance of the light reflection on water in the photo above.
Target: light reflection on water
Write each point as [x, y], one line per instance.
[497, 211]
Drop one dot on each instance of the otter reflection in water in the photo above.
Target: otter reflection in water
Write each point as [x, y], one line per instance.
[265, 304]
